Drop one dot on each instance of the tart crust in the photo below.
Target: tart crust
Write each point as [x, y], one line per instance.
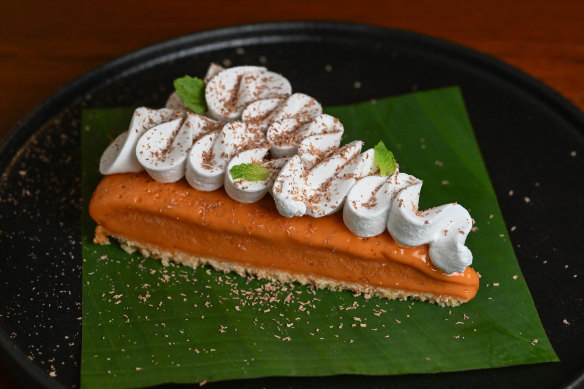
[174, 222]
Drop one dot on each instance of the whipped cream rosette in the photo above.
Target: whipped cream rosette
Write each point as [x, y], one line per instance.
[229, 91]
[315, 148]
[285, 135]
[377, 203]
[120, 155]
[209, 155]
[250, 191]
[444, 228]
[320, 190]
[367, 206]
[163, 150]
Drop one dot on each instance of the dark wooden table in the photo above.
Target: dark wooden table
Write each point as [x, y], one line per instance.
[47, 44]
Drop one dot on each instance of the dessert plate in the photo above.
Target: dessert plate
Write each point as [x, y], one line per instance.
[531, 139]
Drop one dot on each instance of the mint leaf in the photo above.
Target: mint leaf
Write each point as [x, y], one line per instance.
[384, 159]
[250, 171]
[191, 90]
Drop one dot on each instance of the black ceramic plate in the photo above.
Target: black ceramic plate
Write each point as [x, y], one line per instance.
[531, 139]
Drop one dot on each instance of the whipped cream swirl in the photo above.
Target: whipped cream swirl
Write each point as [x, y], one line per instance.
[319, 191]
[229, 91]
[120, 155]
[210, 154]
[376, 203]
[254, 118]
[246, 191]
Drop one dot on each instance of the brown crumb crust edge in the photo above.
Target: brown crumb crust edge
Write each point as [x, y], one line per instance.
[147, 250]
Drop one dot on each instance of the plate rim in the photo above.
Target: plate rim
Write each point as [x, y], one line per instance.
[29, 372]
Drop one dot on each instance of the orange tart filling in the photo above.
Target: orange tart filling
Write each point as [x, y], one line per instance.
[173, 221]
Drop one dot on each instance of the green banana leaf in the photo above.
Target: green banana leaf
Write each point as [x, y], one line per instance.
[146, 324]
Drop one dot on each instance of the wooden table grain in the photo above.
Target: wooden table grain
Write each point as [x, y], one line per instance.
[45, 45]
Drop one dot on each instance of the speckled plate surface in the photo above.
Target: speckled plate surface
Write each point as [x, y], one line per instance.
[531, 139]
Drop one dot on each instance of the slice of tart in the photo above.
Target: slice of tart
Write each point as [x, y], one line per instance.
[173, 221]
[245, 130]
